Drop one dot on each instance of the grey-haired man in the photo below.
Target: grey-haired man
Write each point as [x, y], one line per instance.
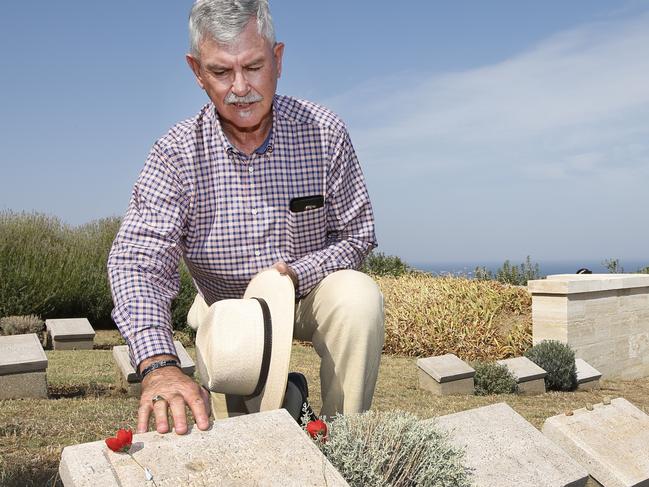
[255, 180]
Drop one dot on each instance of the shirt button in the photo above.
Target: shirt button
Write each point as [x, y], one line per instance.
[251, 169]
[254, 211]
[257, 253]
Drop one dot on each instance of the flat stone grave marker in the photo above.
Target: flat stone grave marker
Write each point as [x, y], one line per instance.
[529, 376]
[611, 442]
[70, 334]
[268, 449]
[445, 374]
[131, 380]
[504, 450]
[22, 367]
[587, 375]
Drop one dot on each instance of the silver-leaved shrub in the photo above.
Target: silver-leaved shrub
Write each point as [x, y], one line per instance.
[393, 449]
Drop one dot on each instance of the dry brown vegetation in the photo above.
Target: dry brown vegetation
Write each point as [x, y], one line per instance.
[427, 315]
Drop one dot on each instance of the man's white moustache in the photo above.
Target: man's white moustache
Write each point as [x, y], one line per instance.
[231, 98]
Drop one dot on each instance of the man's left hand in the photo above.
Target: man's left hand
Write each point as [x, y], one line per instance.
[285, 270]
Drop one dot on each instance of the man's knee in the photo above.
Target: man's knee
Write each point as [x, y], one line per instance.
[354, 296]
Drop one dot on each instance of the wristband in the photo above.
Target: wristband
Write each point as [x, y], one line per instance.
[158, 365]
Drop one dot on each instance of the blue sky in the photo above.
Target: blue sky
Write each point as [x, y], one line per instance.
[486, 130]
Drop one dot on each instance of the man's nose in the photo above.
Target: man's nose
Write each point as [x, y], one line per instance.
[240, 86]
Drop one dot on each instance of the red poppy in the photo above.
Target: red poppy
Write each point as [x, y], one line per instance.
[122, 442]
[317, 428]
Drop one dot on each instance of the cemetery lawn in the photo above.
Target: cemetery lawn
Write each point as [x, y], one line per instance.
[87, 404]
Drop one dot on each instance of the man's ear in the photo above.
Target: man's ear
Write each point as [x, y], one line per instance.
[278, 52]
[195, 66]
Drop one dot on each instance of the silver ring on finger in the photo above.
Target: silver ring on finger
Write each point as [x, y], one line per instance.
[157, 398]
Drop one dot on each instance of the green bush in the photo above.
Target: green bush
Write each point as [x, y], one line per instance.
[55, 270]
[20, 325]
[558, 360]
[379, 264]
[393, 449]
[493, 378]
[517, 275]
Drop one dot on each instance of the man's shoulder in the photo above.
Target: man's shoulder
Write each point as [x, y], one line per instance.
[304, 112]
[184, 135]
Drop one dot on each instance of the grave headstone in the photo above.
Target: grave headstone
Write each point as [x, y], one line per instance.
[587, 375]
[23, 367]
[504, 450]
[445, 374]
[529, 376]
[610, 441]
[70, 334]
[130, 380]
[268, 449]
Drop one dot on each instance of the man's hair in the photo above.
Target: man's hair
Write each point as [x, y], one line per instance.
[224, 20]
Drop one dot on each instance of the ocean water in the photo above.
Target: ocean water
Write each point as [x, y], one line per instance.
[546, 267]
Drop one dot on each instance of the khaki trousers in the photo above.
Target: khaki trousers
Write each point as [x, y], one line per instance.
[343, 318]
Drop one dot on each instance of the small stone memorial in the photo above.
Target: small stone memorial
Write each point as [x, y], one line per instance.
[445, 375]
[70, 334]
[268, 449]
[529, 376]
[587, 375]
[610, 440]
[23, 367]
[504, 450]
[130, 380]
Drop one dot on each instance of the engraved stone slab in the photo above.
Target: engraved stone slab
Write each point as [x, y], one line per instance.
[504, 450]
[446, 368]
[523, 369]
[587, 375]
[268, 449]
[70, 329]
[445, 375]
[610, 442]
[21, 353]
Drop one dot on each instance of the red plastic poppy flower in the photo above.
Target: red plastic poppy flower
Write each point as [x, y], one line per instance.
[121, 442]
[317, 428]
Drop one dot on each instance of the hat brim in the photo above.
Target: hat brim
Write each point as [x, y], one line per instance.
[278, 292]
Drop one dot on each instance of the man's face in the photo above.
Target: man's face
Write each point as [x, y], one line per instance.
[240, 78]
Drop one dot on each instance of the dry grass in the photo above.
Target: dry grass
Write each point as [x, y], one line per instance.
[428, 315]
[86, 404]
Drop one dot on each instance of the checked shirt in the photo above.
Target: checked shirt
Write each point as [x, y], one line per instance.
[227, 215]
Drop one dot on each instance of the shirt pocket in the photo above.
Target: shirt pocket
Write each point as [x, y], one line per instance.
[306, 232]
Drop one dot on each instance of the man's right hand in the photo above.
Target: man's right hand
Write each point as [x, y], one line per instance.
[178, 391]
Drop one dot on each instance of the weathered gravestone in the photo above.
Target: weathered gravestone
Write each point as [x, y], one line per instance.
[529, 376]
[445, 375]
[611, 441]
[23, 367]
[131, 380]
[263, 449]
[504, 450]
[587, 376]
[70, 334]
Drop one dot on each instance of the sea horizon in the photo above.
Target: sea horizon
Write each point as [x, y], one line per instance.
[546, 268]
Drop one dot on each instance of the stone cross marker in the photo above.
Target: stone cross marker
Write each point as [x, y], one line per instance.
[70, 334]
[129, 378]
[611, 442]
[22, 367]
[504, 450]
[263, 449]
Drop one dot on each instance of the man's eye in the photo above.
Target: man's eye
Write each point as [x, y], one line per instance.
[253, 68]
[220, 73]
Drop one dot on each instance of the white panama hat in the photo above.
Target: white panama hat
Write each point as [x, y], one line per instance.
[243, 346]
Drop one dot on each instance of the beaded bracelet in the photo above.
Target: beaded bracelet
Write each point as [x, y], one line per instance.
[158, 365]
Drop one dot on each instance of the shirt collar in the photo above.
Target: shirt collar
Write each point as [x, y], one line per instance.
[266, 146]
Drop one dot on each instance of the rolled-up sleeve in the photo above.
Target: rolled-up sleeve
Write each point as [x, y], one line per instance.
[350, 220]
[143, 262]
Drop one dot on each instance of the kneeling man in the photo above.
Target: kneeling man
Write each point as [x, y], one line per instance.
[255, 180]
